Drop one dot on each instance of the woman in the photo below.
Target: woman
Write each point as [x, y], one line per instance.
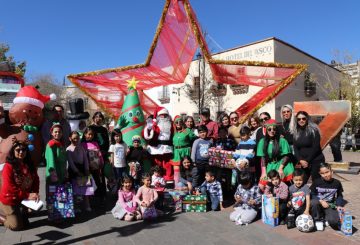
[224, 121]
[182, 142]
[287, 125]
[307, 148]
[254, 125]
[20, 181]
[234, 129]
[101, 133]
[274, 152]
[190, 124]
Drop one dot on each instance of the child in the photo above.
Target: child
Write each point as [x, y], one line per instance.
[299, 202]
[79, 168]
[135, 159]
[118, 150]
[275, 187]
[156, 179]
[244, 154]
[126, 206]
[326, 198]
[187, 172]
[146, 198]
[200, 154]
[96, 163]
[247, 200]
[55, 156]
[223, 141]
[212, 188]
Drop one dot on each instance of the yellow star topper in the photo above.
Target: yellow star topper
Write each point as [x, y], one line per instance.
[132, 83]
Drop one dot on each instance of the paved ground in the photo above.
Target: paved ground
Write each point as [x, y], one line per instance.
[183, 228]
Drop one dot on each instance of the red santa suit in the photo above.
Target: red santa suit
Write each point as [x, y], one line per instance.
[159, 135]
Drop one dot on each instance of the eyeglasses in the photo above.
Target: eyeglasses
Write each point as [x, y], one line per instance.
[271, 129]
[301, 119]
[264, 119]
[286, 112]
[18, 150]
[234, 118]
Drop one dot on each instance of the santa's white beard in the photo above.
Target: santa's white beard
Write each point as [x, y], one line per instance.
[164, 125]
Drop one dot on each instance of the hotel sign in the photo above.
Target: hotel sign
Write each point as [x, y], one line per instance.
[250, 53]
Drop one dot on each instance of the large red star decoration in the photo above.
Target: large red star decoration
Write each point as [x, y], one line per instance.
[176, 40]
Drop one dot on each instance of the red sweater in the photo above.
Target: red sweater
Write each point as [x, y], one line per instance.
[17, 186]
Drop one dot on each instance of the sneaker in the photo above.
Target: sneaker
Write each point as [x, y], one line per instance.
[239, 222]
[319, 225]
[327, 224]
[282, 222]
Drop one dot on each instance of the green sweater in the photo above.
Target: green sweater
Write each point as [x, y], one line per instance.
[55, 156]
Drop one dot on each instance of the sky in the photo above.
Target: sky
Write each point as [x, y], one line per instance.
[62, 37]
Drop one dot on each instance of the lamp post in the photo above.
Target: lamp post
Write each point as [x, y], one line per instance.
[198, 56]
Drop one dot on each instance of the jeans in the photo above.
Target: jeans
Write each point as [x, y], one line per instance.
[335, 146]
[120, 173]
[214, 200]
[329, 214]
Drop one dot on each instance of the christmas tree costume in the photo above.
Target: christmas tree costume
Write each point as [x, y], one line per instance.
[275, 161]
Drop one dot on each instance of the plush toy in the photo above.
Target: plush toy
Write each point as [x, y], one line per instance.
[26, 118]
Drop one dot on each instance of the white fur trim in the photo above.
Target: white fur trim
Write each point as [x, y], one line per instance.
[28, 100]
[52, 96]
[163, 111]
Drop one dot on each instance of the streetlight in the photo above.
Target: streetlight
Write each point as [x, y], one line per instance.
[198, 56]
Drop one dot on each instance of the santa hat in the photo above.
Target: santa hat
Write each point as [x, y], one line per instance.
[160, 111]
[177, 118]
[31, 95]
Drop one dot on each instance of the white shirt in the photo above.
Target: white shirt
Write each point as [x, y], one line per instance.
[119, 151]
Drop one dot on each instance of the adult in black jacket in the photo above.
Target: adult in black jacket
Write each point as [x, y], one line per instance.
[287, 126]
[306, 144]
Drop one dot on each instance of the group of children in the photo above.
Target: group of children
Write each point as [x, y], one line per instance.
[322, 200]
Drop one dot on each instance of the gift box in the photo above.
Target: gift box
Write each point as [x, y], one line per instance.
[194, 203]
[60, 203]
[270, 210]
[345, 224]
[221, 158]
[173, 199]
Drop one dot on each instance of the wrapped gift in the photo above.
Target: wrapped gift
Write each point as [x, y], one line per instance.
[270, 210]
[194, 203]
[173, 199]
[60, 204]
[221, 158]
[345, 223]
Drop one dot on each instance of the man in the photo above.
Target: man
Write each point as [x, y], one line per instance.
[212, 126]
[234, 129]
[57, 117]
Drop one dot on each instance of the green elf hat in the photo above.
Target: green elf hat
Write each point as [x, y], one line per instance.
[136, 138]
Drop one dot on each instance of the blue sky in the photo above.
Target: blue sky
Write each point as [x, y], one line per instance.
[72, 36]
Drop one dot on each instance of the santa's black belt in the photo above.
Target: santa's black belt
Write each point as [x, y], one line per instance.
[164, 142]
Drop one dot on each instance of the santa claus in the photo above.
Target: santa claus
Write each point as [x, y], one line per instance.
[158, 133]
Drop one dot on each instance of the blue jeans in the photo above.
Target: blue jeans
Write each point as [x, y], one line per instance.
[120, 173]
[214, 200]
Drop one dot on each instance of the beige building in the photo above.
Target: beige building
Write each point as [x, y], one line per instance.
[309, 86]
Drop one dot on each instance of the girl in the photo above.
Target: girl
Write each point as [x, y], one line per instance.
[274, 152]
[146, 198]
[326, 198]
[96, 163]
[118, 150]
[187, 173]
[307, 148]
[135, 158]
[79, 168]
[19, 181]
[55, 156]
[125, 207]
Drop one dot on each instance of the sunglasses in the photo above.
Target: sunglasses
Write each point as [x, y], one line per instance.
[301, 119]
[234, 118]
[18, 150]
[264, 119]
[271, 129]
[178, 122]
[286, 112]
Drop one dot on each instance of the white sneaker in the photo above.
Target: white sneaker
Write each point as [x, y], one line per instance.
[239, 222]
[327, 224]
[319, 225]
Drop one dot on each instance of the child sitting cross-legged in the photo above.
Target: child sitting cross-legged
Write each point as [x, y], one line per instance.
[212, 188]
[299, 202]
[126, 206]
[247, 200]
[276, 188]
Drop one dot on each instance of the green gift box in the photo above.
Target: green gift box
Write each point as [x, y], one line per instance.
[194, 203]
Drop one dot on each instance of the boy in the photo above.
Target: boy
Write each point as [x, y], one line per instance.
[299, 202]
[212, 188]
[223, 141]
[247, 200]
[200, 154]
[244, 154]
[278, 189]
